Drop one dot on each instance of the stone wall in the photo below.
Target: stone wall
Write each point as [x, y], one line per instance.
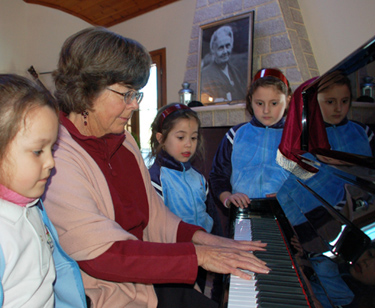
[280, 38]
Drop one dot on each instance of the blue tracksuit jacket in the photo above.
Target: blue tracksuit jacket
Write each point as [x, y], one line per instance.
[246, 160]
[183, 189]
[351, 137]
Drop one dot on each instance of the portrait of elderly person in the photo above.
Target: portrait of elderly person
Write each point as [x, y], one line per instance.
[221, 80]
[132, 251]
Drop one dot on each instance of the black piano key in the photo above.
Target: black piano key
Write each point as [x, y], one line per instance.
[277, 281]
[282, 272]
[272, 253]
[288, 301]
[276, 257]
[280, 305]
[273, 246]
[268, 238]
[274, 284]
[281, 269]
[276, 277]
[290, 291]
[277, 294]
[277, 262]
[280, 245]
[291, 300]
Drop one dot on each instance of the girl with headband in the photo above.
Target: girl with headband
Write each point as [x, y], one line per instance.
[175, 142]
[244, 166]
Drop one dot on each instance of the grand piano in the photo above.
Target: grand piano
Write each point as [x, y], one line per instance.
[313, 245]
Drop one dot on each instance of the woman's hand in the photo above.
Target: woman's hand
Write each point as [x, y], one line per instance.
[238, 199]
[227, 256]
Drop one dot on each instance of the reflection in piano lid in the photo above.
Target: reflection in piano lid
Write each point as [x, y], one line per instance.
[330, 209]
[321, 220]
[327, 212]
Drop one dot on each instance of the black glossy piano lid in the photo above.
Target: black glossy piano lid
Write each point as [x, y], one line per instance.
[362, 56]
[324, 222]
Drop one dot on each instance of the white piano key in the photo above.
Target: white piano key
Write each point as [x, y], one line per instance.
[242, 292]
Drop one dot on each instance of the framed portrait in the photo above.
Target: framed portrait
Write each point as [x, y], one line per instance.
[225, 59]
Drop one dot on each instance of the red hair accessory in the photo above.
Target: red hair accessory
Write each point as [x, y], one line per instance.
[271, 72]
[170, 110]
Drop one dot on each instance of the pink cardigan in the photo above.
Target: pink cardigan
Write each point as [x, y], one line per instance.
[79, 204]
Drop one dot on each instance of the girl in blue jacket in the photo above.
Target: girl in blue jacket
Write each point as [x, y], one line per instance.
[34, 270]
[245, 166]
[175, 141]
[335, 97]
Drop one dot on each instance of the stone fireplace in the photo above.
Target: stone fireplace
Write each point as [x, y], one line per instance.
[280, 38]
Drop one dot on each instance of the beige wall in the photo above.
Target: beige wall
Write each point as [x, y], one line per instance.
[32, 34]
[170, 27]
[337, 27]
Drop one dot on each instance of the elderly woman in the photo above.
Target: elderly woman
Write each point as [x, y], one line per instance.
[132, 251]
[221, 78]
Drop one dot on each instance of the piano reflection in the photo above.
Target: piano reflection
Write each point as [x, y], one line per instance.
[317, 249]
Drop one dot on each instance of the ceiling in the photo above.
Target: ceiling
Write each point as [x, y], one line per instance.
[104, 13]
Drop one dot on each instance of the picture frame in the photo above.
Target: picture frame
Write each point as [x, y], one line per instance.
[225, 49]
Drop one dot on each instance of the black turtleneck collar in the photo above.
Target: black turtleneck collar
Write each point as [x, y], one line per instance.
[168, 161]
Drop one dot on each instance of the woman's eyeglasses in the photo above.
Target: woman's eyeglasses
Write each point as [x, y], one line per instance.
[130, 96]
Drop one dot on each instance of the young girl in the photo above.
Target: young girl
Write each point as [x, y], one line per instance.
[245, 165]
[175, 141]
[335, 97]
[34, 270]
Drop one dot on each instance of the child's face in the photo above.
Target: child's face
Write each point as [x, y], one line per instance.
[334, 103]
[269, 105]
[364, 269]
[182, 140]
[29, 158]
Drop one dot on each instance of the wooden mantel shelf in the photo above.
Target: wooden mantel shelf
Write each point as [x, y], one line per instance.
[230, 115]
[222, 115]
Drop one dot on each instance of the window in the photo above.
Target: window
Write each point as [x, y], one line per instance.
[154, 98]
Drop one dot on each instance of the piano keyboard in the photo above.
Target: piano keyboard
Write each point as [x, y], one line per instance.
[281, 287]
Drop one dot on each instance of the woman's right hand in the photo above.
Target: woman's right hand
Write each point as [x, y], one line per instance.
[230, 260]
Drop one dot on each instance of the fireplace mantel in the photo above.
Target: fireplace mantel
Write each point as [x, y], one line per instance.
[222, 115]
[233, 114]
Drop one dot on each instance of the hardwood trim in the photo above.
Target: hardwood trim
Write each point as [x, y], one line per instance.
[159, 58]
